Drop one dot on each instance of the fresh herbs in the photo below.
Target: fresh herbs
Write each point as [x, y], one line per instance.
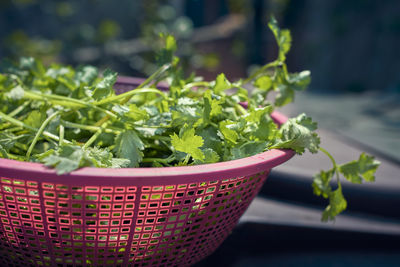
[70, 118]
[355, 171]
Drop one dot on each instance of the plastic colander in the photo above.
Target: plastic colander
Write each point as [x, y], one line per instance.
[171, 216]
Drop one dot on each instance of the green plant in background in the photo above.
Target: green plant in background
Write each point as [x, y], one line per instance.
[70, 118]
[19, 43]
[63, 31]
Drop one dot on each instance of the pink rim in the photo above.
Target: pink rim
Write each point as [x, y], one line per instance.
[145, 176]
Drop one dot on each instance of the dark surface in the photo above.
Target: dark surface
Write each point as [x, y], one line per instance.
[373, 200]
[253, 244]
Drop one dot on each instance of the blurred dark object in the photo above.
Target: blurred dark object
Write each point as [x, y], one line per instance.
[348, 45]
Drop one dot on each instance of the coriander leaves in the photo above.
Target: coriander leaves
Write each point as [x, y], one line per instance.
[68, 158]
[128, 145]
[68, 118]
[189, 143]
[355, 171]
[298, 134]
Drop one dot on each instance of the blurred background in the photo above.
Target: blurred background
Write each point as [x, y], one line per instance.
[350, 46]
[352, 50]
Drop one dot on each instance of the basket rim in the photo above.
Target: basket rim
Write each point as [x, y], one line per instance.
[222, 170]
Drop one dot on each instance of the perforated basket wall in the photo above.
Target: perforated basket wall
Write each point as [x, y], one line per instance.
[127, 217]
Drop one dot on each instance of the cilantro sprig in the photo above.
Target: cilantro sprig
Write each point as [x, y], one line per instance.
[68, 118]
[355, 171]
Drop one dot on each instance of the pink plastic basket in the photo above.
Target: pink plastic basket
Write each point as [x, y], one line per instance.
[171, 216]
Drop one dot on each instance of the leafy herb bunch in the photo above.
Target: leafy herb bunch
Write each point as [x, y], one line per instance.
[71, 118]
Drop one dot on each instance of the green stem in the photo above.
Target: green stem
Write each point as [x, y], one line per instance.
[335, 166]
[14, 129]
[65, 101]
[19, 109]
[161, 160]
[214, 125]
[88, 127]
[20, 145]
[39, 132]
[186, 161]
[240, 109]
[129, 94]
[188, 86]
[95, 135]
[16, 157]
[60, 142]
[157, 147]
[151, 126]
[21, 124]
[155, 75]
[261, 70]
[152, 77]
[160, 137]
[329, 155]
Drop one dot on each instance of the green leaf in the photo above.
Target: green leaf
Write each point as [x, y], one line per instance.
[16, 93]
[228, 133]
[162, 119]
[207, 109]
[321, 184]
[150, 132]
[105, 87]
[265, 130]
[337, 204]
[57, 71]
[129, 146]
[33, 65]
[166, 55]
[66, 159]
[87, 74]
[170, 43]
[264, 83]
[211, 138]
[120, 110]
[3, 78]
[35, 119]
[210, 156]
[7, 140]
[185, 115]
[298, 134]
[137, 113]
[3, 153]
[221, 84]
[282, 37]
[186, 101]
[188, 142]
[257, 114]
[259, 125]
[287, 83]
[362, 169]
[299, 81]
[103, 158]
[284, 96]
[248, 149]
[212, 105]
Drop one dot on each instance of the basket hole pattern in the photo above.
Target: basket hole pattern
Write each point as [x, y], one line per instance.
[167, 225]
